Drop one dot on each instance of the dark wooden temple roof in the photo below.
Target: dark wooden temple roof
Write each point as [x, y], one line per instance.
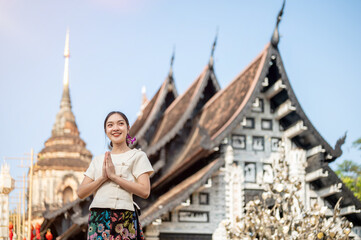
[179, 193]
[226, 109]
[181, 110]
[139, 123]
[156, 106]
[349, 200]
[218, 114]
[311, 137]
[69, 221]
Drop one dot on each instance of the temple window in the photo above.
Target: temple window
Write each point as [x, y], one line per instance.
[67, 195]
[250, 172]
[258, 143]
[239, 141]
[266, 124]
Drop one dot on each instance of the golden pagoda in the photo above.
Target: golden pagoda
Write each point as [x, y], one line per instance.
[62, 162]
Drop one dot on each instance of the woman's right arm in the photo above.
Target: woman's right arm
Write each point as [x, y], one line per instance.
[88, 186]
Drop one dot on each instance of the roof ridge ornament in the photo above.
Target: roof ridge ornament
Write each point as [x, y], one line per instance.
[211, 59]
[339, 143]
[275, 37]
[171, 63]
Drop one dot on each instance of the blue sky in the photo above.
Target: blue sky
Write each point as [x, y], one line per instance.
[116, 47]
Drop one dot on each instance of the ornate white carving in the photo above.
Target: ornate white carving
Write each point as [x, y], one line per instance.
[276, 88]
[284, 109]
[315, 150]
[319, 173]
[295, 130]
[328, 191]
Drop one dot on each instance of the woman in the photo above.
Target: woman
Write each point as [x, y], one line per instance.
[113, 178]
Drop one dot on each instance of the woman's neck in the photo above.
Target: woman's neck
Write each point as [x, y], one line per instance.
[120, 148]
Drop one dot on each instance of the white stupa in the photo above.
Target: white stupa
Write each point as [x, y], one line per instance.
[7, 184]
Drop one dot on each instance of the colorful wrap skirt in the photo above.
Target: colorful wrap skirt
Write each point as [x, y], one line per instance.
[113, 224]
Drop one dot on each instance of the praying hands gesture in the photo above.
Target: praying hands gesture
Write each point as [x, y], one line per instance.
[141, 186]
[108, 167]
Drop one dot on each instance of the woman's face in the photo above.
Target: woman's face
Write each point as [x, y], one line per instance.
[116, 129]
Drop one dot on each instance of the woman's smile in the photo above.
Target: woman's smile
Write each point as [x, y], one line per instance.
[116, 134]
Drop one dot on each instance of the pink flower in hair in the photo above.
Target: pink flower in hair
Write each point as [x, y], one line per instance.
[130, 139]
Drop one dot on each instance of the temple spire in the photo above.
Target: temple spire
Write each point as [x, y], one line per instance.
[65, 100]
[65, 115]
[66, 55]
[211, 60]
[171, 64]
[275, 37]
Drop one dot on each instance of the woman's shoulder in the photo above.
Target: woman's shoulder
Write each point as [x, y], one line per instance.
[139, 153]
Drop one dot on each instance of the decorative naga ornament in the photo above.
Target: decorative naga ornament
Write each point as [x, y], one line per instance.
[281, 215]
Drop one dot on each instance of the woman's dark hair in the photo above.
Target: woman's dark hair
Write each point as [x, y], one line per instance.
[105, 124]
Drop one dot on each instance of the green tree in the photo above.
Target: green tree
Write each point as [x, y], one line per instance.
[350, 173]
[357, 144]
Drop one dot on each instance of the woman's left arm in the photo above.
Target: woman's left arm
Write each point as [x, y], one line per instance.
[140, 188]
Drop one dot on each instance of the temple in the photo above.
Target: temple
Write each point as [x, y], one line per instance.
[208, 134]
[212, 150]
[61, 163]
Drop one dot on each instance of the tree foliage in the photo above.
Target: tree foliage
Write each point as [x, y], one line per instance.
[357, 144]
[350, 173]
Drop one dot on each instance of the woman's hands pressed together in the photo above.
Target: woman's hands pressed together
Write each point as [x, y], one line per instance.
[109, 167]
[141, 187]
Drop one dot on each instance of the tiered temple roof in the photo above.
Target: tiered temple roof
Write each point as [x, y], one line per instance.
[215, 120]
[64, 149]
[144, 126]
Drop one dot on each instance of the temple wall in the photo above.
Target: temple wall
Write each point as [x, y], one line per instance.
[200, 214]
[48, 186]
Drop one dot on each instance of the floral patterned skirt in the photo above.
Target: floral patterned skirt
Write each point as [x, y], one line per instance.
[109, 224]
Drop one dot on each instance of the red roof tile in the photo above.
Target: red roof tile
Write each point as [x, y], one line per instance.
[222, 109]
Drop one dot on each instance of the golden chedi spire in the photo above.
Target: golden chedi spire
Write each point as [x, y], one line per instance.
[65, 120]
[61, 163]
[65, 149]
